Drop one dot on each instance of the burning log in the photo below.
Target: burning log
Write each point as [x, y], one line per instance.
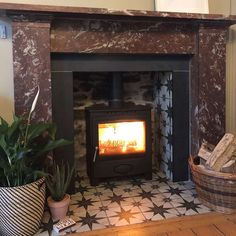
[222, 153]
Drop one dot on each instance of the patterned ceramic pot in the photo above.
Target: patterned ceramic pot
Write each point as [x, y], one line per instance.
[21, 208]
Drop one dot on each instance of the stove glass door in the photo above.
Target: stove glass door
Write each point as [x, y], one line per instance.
[121, 138]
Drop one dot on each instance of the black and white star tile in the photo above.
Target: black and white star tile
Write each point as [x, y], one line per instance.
[160, 210]
[164, 108]
[125, 215]
[127, 201]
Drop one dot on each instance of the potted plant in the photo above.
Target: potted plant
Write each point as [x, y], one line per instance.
[23, 147]
[57, 183]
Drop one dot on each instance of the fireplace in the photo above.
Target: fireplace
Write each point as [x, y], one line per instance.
[157, 86]
[40, 31]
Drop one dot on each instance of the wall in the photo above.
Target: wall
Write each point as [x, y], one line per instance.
[220, 6]
[112, 4]
[6, 75]
[215, 6]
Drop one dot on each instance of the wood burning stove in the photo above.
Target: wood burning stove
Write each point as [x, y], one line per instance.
[118, 137]
[118, 141]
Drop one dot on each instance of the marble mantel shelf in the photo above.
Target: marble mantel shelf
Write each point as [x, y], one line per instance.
[57, 11]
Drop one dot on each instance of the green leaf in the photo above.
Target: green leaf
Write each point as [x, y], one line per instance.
[3, 145]
[59, 180]
[52, 131]
[13, 130]
[22, 150]
[51, 145]
[22, 153]
[35, 130]
[3, 125]
[39, 173]
[3, 160]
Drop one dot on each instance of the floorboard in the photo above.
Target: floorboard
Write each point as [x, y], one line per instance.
[227, 228]
[209, 224]
[186, 232]
[210, 230]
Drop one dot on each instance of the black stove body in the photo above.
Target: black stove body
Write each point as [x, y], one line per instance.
[102, 165]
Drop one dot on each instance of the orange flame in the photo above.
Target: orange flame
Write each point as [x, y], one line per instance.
[121, 138]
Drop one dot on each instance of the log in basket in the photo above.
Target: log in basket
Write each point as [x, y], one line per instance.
[216, 190]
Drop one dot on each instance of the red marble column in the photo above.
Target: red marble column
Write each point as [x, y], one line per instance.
[193, 86]
[31, 58]
[212, 73]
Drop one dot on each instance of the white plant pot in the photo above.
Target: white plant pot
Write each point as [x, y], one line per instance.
[21, 209]
[59, 209]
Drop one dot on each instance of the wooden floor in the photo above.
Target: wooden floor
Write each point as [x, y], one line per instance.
[210, 224]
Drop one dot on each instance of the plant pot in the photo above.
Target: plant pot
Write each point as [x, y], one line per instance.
[59, 209]
[22, 208]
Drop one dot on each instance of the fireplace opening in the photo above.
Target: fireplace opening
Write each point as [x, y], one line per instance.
[150, 91]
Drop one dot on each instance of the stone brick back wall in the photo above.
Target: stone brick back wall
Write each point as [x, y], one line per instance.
[93, 88]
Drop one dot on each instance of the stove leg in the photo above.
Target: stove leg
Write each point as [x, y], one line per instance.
[148, 176]
[94, 181]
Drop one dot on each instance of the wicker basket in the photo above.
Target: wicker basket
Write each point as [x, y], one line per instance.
[215, 189]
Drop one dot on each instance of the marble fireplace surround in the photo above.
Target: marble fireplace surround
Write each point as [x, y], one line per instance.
[39, 31]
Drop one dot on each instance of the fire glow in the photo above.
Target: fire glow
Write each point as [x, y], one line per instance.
[121, 138]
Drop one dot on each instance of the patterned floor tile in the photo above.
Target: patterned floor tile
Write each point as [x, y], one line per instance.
[180, 185]
[85, 189]
[116, 192]
[162, 199]
[176, 193]
[117, 201]
[163, 187]
[104, 193]
[132, 191]
[124, 191]
[159, 211]
[89, 203]
[127, 201]
[125, 215]
[152, 186]
[91, 220]
[189, 185]
[190, 206]
[143, 201]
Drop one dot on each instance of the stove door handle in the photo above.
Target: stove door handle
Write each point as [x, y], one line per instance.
[95, 154]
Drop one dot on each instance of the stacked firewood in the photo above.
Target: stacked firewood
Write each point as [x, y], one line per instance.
[221, 157]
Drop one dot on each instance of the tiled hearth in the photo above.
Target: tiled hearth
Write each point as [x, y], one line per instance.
[128, 201]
